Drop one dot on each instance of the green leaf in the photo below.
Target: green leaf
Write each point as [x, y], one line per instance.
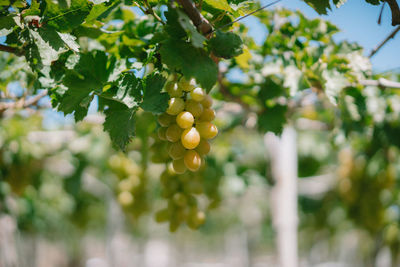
[226, 44]
[220, 4]
[17, 3]
[75, 98]
[322, 6]
[126, 90]
[173, 27]
[271, 88]
[272, 119]
[69, 40]
[45, 47]
[153, 100]
[195, 37]
[191, 61]
[65, 18]
[7, 24]
[33, 10]
[98, 10]
[119, 123]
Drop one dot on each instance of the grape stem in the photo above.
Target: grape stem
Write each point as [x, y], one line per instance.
[202, 24]
[12, 50]
[394, 8]
[388, 38]
[23, 103]
[151, 11]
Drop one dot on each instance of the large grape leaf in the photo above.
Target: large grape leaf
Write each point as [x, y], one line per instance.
[85, 75]
[191, 61]
[153, 99]
[119, 123]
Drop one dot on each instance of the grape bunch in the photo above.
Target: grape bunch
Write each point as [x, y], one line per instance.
[183, 142]
[131, 185]
[186, 125]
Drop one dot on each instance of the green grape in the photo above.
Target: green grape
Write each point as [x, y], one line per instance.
[194, 107]
[192, 160]
[203, 148]
[174, 225]
[185, 119]
[126, 185]
[162, 133]
[165, 119]
[193, 187]
[175, 106]
[186, 85]
[197, 94]
[173, 89]
[173, 133]
[176, 150]
[125, 198]
[179, 166]
[180, 199]
[162, 215]
[207, 115]
[207, 101]
[190, 138]
[207, 130]
[195, 218]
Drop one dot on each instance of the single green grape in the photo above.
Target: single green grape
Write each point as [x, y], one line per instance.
[180, 199]
[185, 119]
[203, 148]
[179, 166]
[173, 89]
[175, 106]
[165, 119]
[197, 94]
[192, 160]
[125, 198]
[162, 133]
[207, 115]
[194, 107]
[173, 133]
[186, 85]
[176, 150]
[207, 101]
[207, 130]
[190, 138]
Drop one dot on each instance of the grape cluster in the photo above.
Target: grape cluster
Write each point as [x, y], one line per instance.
[131, 186]
[183, 142]
[186, 124]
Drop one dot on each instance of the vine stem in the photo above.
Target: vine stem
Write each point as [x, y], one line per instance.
[12, 50]
[381, 82]
[23, 103]
[151, 11]
[202, 24]
[390, 36]
[394, 8]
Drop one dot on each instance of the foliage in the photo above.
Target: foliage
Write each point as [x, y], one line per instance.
[103, 54]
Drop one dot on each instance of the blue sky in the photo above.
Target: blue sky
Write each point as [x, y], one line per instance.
[358, 23]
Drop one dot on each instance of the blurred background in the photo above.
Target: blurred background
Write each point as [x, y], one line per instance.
[311, 197]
